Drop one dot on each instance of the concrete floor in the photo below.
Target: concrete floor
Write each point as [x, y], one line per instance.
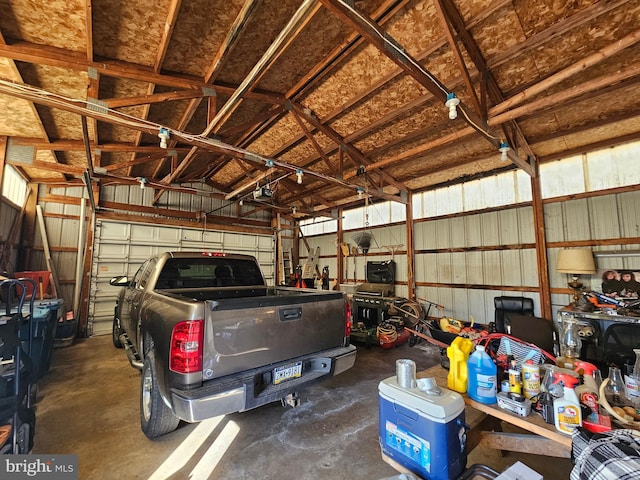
[88, 405]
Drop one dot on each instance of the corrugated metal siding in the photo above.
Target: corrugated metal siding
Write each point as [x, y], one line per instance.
[120, 248]
[62, 236]
[505, 255]
[603, 217]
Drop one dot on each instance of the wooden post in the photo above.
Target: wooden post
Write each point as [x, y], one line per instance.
[411, 280]
[541, 245]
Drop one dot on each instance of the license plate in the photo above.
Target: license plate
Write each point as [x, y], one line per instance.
[280, 374]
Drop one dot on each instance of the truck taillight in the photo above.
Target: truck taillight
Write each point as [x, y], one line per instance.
[185, 355]
[348, 320]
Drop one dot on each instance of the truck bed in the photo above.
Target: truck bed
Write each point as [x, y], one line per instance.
[249, 327]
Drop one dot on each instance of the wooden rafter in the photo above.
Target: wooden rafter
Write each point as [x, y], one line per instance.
[378, 37]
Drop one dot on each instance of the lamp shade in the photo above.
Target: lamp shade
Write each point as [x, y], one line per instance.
[576, 261]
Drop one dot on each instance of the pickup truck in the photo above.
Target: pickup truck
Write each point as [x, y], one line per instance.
[211, 338]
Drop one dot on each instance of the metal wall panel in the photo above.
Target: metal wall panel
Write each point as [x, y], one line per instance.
[630, 213]
[603, 223]
[121, 247]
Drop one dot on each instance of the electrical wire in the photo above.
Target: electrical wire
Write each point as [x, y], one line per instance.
[106, 114]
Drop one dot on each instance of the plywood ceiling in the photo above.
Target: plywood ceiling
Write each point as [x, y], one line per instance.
[351, 94]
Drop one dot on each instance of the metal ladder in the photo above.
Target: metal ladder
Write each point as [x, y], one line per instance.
[311, 264]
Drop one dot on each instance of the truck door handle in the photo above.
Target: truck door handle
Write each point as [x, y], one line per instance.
[288, 314]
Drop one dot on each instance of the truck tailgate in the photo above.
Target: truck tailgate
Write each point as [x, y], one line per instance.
[268, 330]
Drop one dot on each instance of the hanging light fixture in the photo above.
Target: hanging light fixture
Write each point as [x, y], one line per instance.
[269, 163]
[504, 148]
[360, 192]
[164, 136]
[143, 182]
[451, 103]
[299, 174]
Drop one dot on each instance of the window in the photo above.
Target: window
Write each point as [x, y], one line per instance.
[318, 226]
[598, 170]
[14, 187]
[494, 191]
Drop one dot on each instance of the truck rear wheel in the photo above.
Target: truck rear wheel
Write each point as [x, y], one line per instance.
[156, 418]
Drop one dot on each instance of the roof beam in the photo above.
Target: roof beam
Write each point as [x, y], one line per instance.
[58, 57]
[299, 20]
[568, 72]
[387, 45]
[493, 90]
[353, 152]
[50, 99]
[446, 21]
[282, 41]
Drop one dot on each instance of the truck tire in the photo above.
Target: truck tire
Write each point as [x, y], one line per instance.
[156, 418]
[116, 331]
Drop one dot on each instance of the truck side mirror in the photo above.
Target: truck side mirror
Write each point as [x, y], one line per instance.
[121, 281]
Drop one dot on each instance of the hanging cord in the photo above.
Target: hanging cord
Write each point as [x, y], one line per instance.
[387, 333]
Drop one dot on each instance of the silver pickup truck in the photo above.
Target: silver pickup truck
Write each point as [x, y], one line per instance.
[211, 338]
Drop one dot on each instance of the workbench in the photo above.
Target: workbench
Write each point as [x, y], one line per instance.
[486, 428]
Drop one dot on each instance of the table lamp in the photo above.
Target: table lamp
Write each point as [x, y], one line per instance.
[576, 262]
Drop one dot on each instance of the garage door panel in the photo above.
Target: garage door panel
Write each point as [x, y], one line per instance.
[120, 248]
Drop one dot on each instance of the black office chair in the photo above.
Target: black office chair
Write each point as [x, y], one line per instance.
[619, 341]
[531, 329]
[504, 305]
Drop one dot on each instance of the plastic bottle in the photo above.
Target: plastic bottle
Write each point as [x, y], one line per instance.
[587, 393]
[515, 378]
[483, 377]
[458, 353]
[530, 379]
[566, 409]
[632, 381]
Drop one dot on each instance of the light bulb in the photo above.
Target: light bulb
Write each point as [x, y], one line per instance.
[164, 136]
[142, 181]
[294, 209]
[360, 192]
[241, 202]
[504, 148]
[452, 102]
[299, 175]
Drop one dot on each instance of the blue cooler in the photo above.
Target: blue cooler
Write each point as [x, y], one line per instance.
[423, 430]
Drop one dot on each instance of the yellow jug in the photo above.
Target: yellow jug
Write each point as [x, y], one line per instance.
[458, 353]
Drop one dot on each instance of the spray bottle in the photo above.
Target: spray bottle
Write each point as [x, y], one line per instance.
[587, 393]
[566, 409]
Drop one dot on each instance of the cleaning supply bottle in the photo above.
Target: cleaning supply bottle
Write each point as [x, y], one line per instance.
[566, 409]
[483, 377]
[587, 393]
[458, 353]
[515, 377]
[530, 379]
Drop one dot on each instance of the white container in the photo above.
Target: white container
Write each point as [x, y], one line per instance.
[566, 410]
